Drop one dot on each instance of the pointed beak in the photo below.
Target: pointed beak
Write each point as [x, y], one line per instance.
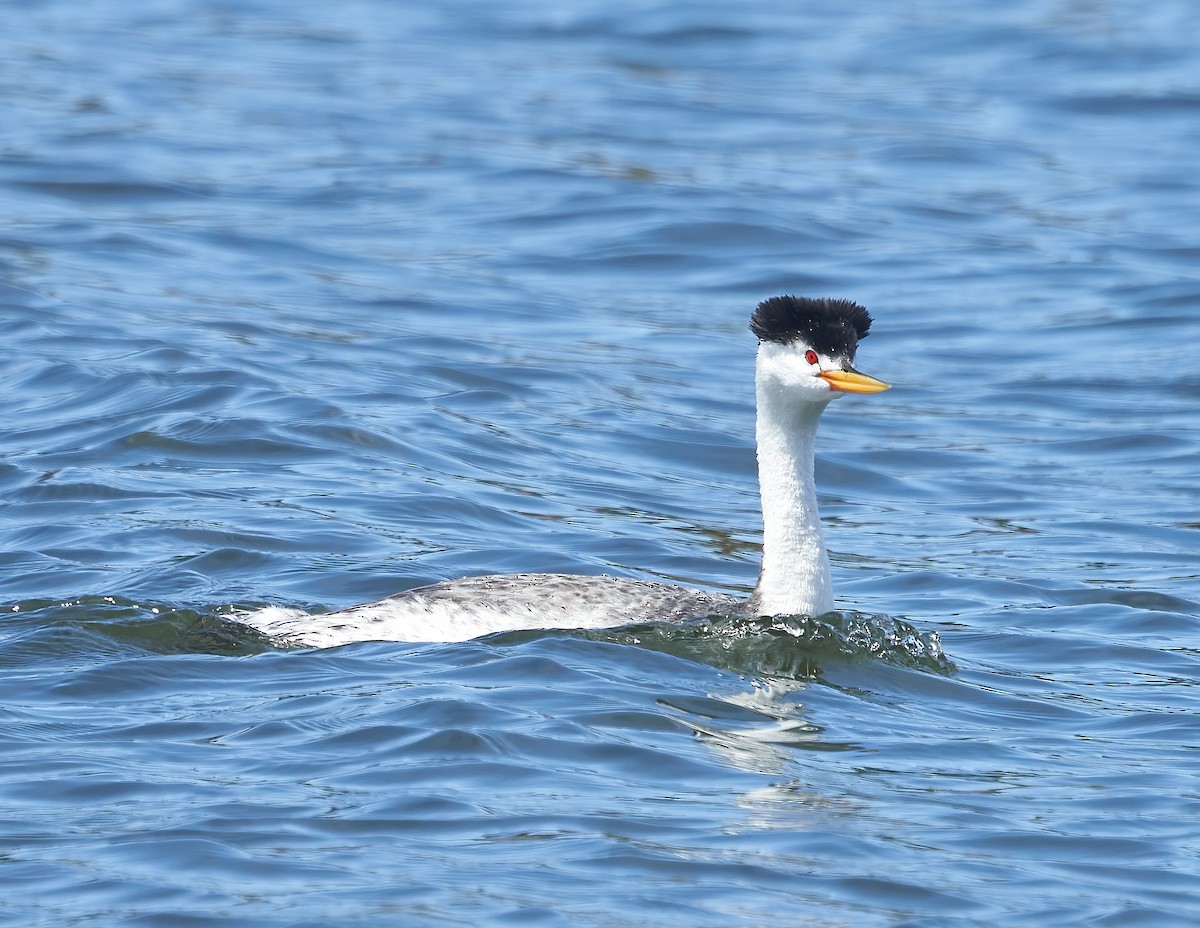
[851, 381]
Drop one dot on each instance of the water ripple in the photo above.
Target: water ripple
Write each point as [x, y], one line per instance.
[327, 304]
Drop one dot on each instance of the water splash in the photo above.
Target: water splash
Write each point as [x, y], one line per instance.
[791, 647]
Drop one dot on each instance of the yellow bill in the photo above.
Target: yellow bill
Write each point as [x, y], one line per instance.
[853, 382]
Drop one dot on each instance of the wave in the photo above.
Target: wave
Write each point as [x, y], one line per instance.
[790, 647]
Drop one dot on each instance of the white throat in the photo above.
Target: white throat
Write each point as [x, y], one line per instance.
[794, 578]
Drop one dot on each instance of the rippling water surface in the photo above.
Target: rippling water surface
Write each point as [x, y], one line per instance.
[304, 304]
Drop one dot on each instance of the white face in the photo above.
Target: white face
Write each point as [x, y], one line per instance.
[793, 370]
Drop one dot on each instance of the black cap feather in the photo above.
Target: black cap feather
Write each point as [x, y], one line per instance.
[832, 327]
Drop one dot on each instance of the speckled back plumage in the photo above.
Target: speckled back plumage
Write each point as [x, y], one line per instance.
[461, 609]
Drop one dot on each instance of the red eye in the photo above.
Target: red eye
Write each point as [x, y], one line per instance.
[810, 356]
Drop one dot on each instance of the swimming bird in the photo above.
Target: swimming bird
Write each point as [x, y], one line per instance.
[806, 349]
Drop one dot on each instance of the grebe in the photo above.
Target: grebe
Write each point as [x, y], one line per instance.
[805, 351]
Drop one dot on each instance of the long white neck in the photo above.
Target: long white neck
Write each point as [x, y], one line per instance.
[794, 579]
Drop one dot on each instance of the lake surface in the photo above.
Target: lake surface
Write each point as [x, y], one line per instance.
[304, 304]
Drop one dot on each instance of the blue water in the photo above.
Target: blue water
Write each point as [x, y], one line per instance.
[305, 304]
